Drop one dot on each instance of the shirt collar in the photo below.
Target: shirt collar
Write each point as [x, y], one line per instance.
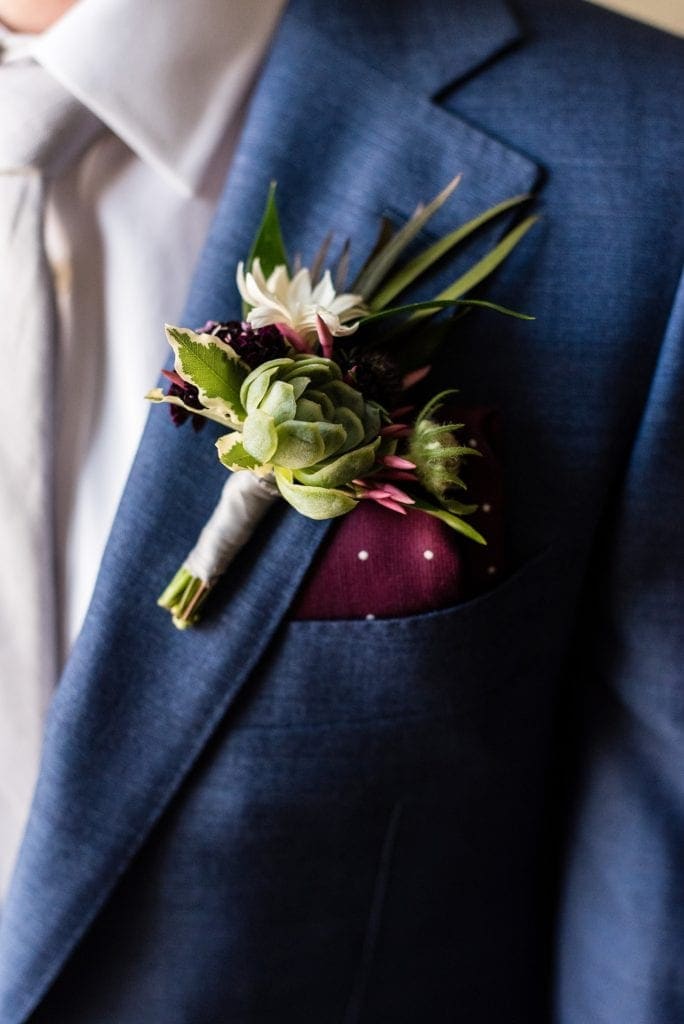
[14, 45]
[170, 82]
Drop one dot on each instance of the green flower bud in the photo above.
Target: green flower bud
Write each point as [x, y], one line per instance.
[438, 456]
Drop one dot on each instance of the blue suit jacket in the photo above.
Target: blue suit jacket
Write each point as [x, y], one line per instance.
[473, 814]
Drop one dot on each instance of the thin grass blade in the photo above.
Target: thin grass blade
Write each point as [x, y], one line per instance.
[318, 264]
[342, 270]
[434, 305]
[386, 232]
[483, 268]
[376, 271]
[454, 521]
[424, 260]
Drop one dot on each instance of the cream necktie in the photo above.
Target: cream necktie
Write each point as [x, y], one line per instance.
[42, 129]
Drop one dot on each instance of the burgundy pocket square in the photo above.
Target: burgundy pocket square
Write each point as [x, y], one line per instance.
[378, 564]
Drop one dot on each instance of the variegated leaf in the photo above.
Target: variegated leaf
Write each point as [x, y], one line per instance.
[212, 366]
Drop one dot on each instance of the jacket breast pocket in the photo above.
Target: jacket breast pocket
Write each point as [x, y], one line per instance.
[320, 673]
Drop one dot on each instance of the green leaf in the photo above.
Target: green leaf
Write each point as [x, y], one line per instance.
[455, 522]
[268, 246]
[342, 395]
[376, 271]
[257, 383]
[435, 403]
[372, 418]
[385, 232]
[458, 508]
[233, 454]
[332, 438]
[299, 386]
[353, 427]
[435, 305]
[318, 263]
[424, 260]
[309, 411]
[316, 368]
[413, 349]
[341, 469]
[280, 402]
[259, 436]
[434, 433]
[303, 444]
[157, 396]
[484, 267]
[327, 407]
[314, 502]
[453, 451]
[212, 367]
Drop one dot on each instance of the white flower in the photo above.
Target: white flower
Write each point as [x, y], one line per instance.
[280, 299]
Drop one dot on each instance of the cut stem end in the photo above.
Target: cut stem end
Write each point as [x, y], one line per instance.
[184, 598]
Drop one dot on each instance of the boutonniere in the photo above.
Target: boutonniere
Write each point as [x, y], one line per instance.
[312, 390]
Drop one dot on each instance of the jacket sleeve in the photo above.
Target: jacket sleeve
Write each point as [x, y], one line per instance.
[621, 932]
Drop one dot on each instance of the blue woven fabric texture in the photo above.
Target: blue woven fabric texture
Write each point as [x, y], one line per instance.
[473, 814]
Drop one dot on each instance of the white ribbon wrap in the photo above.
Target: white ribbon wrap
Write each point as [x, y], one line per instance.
[245, 500]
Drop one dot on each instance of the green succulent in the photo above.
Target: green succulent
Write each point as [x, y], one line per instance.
[309, 428]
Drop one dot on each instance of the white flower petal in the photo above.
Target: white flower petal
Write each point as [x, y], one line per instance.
[241, 282]
[299, 293]
[278, 283]
[262, 316]
[258, 274]
[259, 296]
[324, 292]
[295, 302]
[346, 304]
[308, 322]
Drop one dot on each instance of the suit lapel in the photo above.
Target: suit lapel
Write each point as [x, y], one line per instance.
[138, 700]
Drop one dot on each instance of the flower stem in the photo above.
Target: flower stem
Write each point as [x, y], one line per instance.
[184, 597]
[244, 501]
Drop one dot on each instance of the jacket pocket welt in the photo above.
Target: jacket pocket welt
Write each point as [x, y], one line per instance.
[319, 673]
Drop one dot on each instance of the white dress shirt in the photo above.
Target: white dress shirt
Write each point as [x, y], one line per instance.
[170, 80]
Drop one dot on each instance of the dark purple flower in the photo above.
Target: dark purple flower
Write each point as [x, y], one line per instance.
[254, 345]
[188, 394]
[372, 373]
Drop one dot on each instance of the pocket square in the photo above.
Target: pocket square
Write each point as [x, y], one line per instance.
[376, 564]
